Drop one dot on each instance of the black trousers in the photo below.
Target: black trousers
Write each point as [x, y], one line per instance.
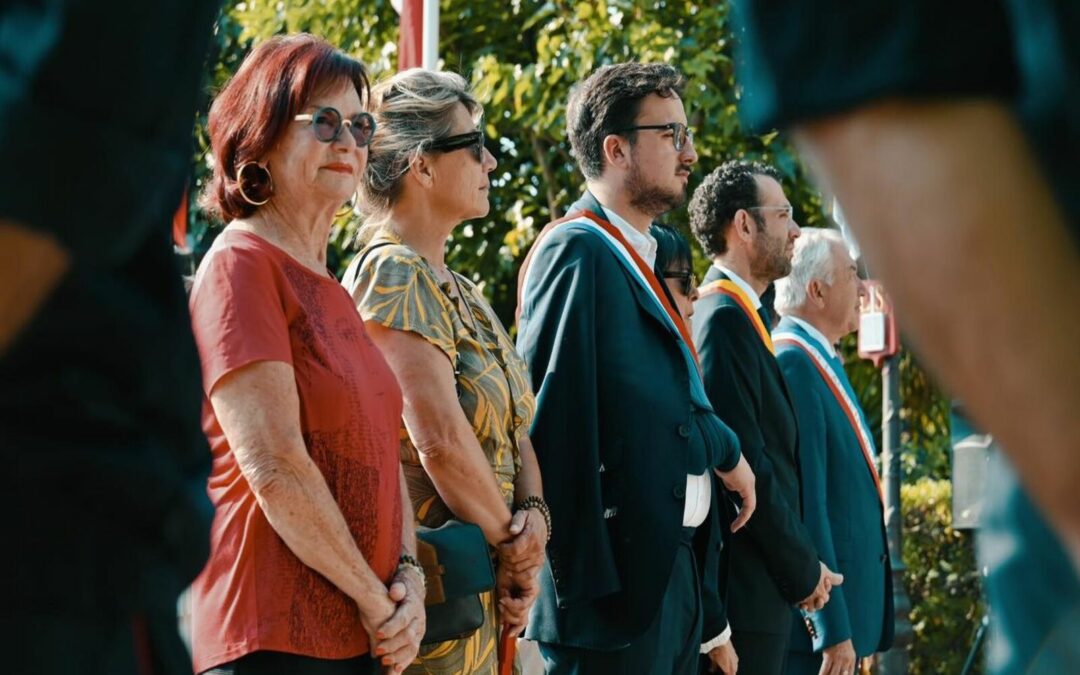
[761, 653]
[671, 644]
[280, 663]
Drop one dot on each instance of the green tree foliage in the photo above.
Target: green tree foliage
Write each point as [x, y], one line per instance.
[522, 57]
[942, 580]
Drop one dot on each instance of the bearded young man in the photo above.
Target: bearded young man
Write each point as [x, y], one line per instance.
[745, 224]
[623, 425]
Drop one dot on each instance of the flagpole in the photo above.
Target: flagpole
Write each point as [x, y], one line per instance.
[431, 35]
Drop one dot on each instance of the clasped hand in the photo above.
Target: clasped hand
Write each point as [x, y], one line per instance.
[520, 560]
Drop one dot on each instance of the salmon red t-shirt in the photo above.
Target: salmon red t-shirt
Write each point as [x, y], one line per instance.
[253, 302]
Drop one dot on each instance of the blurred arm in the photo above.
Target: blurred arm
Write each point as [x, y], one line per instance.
[952, 212]
[32, 264]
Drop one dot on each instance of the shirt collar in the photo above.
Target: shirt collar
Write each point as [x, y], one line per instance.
[738, 281]
[815, 334]
[644, 244]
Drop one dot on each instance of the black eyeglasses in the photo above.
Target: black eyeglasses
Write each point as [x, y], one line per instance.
[782, 210]
[681, 133]
[473, 140]
[327, 124]
[688, 279]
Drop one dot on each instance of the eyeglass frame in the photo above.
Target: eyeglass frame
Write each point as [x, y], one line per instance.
[342, 123]
[688, 278]
[474, 139]
[789, 209]
[687, 132]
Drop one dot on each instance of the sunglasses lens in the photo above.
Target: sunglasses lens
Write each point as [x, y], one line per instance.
[362, 128]
[479, 148]
[327, 124]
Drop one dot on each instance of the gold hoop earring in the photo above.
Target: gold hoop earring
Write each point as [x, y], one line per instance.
[349, 206]
[240, 183]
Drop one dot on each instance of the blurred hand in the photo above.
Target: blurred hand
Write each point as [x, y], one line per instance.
[838, 659]
[724, 659]
[398, 638]
[740, 480]
[820, 596]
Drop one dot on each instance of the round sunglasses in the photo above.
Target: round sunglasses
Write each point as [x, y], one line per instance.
[327, 124]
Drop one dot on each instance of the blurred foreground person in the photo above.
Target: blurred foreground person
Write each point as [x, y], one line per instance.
[313, 523]
[949, 134]
[99, 385]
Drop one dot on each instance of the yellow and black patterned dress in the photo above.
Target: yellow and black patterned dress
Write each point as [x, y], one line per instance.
[396, 287]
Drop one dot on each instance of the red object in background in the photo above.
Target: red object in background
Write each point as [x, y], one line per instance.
[180, 221]
[411, 38]
[877, 324]
[507, 652]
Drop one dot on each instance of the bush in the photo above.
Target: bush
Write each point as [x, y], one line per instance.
[942, 580]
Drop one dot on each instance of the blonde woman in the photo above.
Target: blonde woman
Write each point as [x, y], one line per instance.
[468, 405]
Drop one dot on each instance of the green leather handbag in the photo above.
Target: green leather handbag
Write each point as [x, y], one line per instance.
[457, 564]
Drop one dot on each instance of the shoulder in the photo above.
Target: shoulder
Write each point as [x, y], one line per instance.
[237, 259]
[720, 314]
[574, 237]
[795, 363]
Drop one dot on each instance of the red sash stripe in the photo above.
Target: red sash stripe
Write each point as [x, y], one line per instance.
[852, 415]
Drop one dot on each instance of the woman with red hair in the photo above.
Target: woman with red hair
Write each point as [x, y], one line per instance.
[311, 568]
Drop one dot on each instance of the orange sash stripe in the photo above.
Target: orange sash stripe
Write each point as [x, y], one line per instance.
[732, 290]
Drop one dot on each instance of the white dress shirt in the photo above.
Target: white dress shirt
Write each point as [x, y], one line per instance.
[816, 334]
[741, 283]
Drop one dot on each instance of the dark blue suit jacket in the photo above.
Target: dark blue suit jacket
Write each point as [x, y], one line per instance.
[841, 508]
[772, 563]
[614, 433]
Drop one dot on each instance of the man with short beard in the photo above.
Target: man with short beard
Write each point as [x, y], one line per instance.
[623, 426]
[744, 223]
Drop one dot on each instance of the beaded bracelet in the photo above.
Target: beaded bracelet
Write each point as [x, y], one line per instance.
[538, 503]
[408, 562]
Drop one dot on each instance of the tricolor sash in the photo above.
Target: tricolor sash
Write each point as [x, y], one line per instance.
[732, 290]
[847, 404]
[587, 221]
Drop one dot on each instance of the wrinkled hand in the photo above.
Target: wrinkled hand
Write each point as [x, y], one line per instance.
[375, 612]
[398, 638]
[740, 480]
[838, 659]
[724, 659]
[524, 552]
[820, 596]
[516, 594]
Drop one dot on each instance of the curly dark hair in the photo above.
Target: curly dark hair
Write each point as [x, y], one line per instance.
[609, 100]
[727, 189]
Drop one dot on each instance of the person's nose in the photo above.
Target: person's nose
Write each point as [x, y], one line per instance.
[489, 162]
[689, 154]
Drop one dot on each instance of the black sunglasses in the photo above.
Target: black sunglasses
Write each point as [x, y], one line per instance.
[473, 140]
[688, 279]
[681, 133]
[327, 124]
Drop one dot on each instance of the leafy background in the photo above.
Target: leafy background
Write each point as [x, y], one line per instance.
[522, 56]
